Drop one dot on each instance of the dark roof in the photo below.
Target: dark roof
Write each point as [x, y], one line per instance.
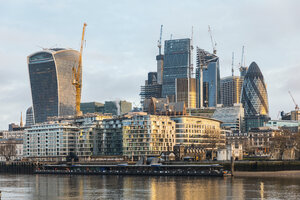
[254, 72]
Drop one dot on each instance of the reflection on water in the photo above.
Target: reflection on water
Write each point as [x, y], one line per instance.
[143, 187]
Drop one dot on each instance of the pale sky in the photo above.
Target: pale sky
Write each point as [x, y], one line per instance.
[121, 43]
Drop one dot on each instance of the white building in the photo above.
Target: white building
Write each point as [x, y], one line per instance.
[232, 150]
[50, 141]
[55, 140]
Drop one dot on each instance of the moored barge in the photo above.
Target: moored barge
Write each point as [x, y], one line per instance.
[124, 169]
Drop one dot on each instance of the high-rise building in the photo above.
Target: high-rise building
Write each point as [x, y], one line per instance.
[51, 77]
[151, 88]
[254, 92]
[255, 98]
[210, 83]
[29, 117]
[177, 57]
[231, 90]
[186, 91]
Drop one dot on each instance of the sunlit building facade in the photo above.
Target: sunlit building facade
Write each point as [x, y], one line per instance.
[148, 135]
[198, 131]
[50, 73]
[186, 91]
[231, 88]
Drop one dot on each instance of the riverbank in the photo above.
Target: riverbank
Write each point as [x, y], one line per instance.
[274, 174]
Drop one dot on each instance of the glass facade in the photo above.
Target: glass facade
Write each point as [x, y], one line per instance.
[50, 73]
[176, 65]
[254, 92]
[211, 78]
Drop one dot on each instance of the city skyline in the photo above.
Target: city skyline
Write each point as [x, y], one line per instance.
[122, 38]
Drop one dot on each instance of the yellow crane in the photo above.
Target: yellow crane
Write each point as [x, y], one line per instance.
[77, 75]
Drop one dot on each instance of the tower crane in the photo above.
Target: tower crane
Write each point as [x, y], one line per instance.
[159, 41]
[213, 42]
[296, 105]
[77, 75]
[232, 64]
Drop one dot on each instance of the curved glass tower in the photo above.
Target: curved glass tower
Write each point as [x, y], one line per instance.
[50, 73]
[254, 93]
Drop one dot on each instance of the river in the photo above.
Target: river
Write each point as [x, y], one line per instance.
[75, 187]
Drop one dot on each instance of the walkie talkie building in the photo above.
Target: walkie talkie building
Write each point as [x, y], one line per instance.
[50, 73]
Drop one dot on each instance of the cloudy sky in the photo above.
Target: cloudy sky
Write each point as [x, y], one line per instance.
[121, 41]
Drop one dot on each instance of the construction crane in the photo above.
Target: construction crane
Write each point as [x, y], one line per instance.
[159, 41]
[296, 105]
[213, 42]
[191, 54]
[77, 75]
[242, 59]
[232, 64]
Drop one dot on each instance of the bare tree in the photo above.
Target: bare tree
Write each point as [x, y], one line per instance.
[8, 150]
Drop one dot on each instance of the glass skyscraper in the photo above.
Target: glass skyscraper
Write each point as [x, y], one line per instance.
[254, 92]
[50, 73]
[255, 98]
[211, 78]
[176, 65]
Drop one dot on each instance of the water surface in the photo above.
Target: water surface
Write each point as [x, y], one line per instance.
[145, 187]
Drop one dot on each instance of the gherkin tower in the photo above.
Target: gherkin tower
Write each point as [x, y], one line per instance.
[254, 93]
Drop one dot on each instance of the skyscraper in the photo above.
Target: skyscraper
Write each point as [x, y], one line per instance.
[176, 65]
[151, 88]
[231, 90]
[186, 91]
[210, 84]
[29, 117]
[50, 73]
[255, 98]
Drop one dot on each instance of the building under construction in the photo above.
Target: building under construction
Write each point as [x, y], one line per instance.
[208, 74]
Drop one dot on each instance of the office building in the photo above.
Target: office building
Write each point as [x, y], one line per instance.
[176, 64]
[117, 107]
[289, 125]
[231, 88]
[232, 117]
[208, 74]
[162, 106]
[92, 107]
[29, 117]
[151, 88]
[51, 77]
[255, 98]
[186, 91]
[295, 115]
[254, 92]
[199, 131]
